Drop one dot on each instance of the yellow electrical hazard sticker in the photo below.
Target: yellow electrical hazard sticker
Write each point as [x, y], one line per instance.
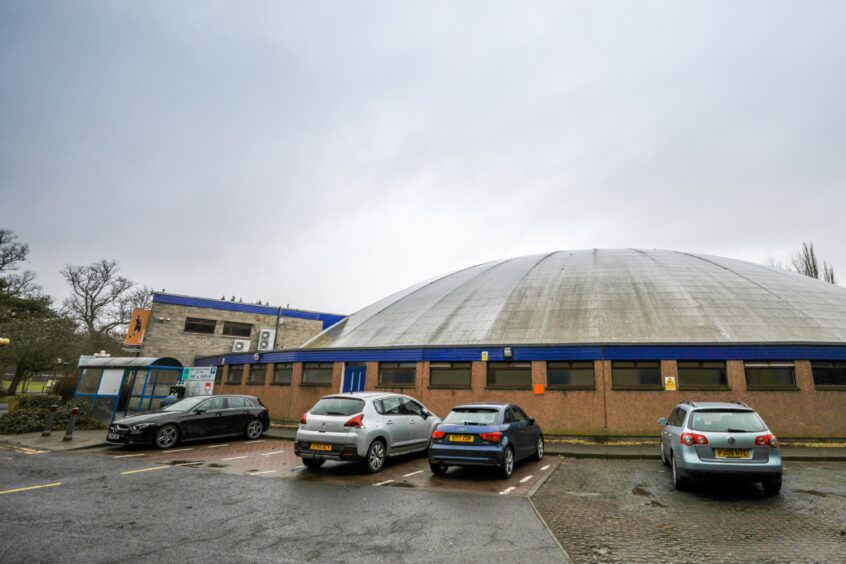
[484, 356]
[670, 383]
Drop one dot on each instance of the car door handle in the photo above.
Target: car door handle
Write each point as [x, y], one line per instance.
[389, 422]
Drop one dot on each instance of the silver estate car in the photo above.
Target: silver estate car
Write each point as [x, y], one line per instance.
[365, 427]
[710, 440]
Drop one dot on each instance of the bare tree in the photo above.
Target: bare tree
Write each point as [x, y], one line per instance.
[12, 282]
[805, 262]
[100, 299]
[828, 273]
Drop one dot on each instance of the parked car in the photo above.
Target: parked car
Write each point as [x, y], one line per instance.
[365, 427]
[720, 440]
[485, 434]
[198, 417]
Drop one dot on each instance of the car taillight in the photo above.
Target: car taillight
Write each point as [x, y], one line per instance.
[355, 421]
[491, 437]
[438, 434]
[691, 439]
[303, 419]
[766, 440]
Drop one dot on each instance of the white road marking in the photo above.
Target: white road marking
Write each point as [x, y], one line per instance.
[28, 488]
[383, 483]
[181, 449]
[216, 446]
[526, 479]
[234, 458]
[262, 472]
[297, 467]
[254, 442]
[274, 452]
[144, 470]
[507, 490]
[130, 455]
[582, 494]
[545, 468]
[411, 474]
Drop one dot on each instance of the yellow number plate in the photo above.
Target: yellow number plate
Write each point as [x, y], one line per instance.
[320, 446]
[732, 453]
[461, 438]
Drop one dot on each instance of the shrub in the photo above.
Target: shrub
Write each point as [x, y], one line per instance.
[39, 401]
[65, 387]
[31, 419]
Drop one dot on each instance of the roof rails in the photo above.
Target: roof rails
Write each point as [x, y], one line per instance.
[690, 403]
[739, 403]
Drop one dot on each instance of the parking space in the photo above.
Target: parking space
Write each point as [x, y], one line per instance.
[273, 458]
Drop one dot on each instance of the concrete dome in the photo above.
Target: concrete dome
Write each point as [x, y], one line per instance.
[598, 297]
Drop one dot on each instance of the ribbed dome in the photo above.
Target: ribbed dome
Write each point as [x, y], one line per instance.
[601, 296]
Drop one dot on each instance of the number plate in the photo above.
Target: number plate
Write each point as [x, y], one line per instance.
[461, 438]
[320, 446]
[113, 436]
[732, 453]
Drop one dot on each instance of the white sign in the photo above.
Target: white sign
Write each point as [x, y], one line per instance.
[110, 382]
[199, 373]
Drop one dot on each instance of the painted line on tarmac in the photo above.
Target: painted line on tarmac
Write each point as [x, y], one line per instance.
[28, 488]
[545, 468]
[411, 474]
[507, 491]
[144, 470]
[233, 458]
[274, 452]
[383, 483]
[130, 455]
[526, 479]
[254, 442]
[262, 472]
[27, 450]
[297, 467]
[216, 446]
[181, 449]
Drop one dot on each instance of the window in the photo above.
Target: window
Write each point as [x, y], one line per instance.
[283, 374]
[214, 404]
[829, 374]
[389, 406]
[770, 375]
[337, 406]
[695, 374]
[509, 374]
[472, 416]
[450, 374]
[397, 373]
[519, 415]
[677, 417]
[164, 379]
[236, 373]
[410, 407]
[237, 403]
[197, 325]
[570, 375]
[232, 329]
[317, 373]
[258, 372]
[89, 382]
[726, 421]
[218, 375]
[645, 375]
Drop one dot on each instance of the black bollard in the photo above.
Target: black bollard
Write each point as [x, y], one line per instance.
[71, 424]
[48, 428]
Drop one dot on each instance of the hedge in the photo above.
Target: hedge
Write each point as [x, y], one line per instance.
[31, 416]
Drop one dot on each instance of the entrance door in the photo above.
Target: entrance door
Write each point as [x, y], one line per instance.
[354, 376]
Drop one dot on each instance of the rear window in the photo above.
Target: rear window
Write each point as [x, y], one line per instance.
[472, 417]
[338, 406]
[726, 421]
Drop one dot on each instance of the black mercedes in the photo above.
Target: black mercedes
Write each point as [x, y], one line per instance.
[198, 417]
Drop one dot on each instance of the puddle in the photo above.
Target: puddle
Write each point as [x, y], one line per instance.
[639, 490]
[215, 465]
[402, 485]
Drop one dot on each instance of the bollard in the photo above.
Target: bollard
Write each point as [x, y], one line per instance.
[48, 428]
[71, 424]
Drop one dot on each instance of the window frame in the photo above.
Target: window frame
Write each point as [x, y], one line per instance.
[238, 368]
[263, 376]
[637, 387]
[509, 365]
[231, 333]
[451, 366]
[834, 366]
[682, 386]
[276, 368]
[397, 365]
[771, 364]
[570, 363]
[200, 321]
[330, 366]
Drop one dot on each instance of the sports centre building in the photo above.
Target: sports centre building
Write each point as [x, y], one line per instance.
[595, 342]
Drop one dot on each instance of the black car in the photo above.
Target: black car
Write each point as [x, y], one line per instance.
[485, 434]
[197, 417]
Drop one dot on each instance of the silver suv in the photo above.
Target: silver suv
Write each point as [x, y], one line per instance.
[710, 439]
[365, 427]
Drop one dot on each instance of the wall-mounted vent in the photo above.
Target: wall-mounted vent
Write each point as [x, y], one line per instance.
[266, 339]
[240, 345]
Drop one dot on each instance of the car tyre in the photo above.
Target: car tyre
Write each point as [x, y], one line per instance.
[539, 449]
[375, 458]
[664, 459]
[679, 482]
[438, 469]
[312, 463]
[166, 436]
[254, 429]
[507, 464]
[772, 487]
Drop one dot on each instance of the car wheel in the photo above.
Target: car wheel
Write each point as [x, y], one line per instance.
[664, 456]
[166, 437]
[539, 449]
[772, 487]
[678, 482]
[254, 430]
[507, 464]
[438, 469]
[312, 463]
[375, 458]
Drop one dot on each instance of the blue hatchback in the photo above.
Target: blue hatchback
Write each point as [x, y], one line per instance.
[485, 434]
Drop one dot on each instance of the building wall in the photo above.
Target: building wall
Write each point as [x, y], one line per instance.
[166, 336]
[804, 412]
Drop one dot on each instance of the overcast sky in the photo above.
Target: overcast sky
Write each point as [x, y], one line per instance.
[326, 154]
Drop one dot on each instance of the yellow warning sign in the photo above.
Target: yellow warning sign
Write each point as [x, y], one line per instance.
[484, 356]
[670, 383]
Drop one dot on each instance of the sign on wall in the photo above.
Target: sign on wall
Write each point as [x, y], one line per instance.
[670, 383]
[137, 326]
[198, 380]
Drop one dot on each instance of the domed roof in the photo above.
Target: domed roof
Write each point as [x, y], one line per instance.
[598, 297]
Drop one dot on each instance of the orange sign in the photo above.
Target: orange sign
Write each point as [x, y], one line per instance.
[137, 325]
[539, 389]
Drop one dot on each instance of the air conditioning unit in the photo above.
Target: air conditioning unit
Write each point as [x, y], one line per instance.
[266, 339]
[240, 345]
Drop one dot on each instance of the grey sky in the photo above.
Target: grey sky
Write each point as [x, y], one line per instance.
[326, 154]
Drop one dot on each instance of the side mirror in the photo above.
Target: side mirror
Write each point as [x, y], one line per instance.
[425, 413]
[531, 420]
[662, 421]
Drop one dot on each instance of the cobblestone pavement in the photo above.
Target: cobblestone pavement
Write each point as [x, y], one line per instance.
[628, 511]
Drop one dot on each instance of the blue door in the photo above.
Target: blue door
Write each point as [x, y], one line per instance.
[354, 375]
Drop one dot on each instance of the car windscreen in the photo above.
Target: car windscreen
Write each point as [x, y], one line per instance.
[726, 421]
[472, 416]
[186, 404]
[337, 406]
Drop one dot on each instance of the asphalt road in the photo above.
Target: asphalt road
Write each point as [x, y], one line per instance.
[99, 509]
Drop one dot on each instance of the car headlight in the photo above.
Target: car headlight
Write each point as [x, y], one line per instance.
[140, 426]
